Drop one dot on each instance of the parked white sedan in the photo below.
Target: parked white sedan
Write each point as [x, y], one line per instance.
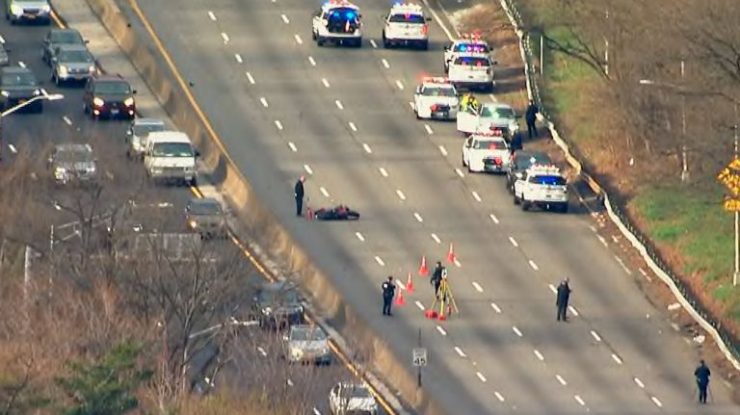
[486, 152]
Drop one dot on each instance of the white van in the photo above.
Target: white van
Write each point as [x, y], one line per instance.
[170, 156]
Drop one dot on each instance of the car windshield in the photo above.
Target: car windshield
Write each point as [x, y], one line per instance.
[523, 161]
[69, 155]
[19, 79]
[172, 150]
[470, 47]
[205, 208]
[112, 88]
[490, 145]
[357, 391]
[278, 296]
[75, 56]
[438, 92]
[549, 180]
[472, 61]
[407, 18]
[67, 37]
[307, 334]
[144, 129]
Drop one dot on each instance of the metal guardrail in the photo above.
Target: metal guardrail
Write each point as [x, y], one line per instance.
[727, 343]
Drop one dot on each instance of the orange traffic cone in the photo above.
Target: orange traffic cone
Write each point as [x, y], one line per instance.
[451, 255]
[423, 270]
[400, 299]
[409, 284]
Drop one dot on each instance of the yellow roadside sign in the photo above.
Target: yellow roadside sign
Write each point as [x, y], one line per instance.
[732, 205]
[730, 177]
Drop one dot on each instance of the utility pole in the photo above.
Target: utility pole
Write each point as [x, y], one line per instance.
[737, 214]
[684, 155]
[606, 47]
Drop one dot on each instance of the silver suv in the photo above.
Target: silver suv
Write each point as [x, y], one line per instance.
[72, 63]
[72, 163]
[137, 134]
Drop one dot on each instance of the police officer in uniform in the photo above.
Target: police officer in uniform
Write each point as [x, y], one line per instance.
[437, 275]
[389, 291]
[531, 118]
[298, 193]
[563, 295]
[702, 374]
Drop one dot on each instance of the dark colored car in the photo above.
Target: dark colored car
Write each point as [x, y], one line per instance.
[109, 96]
[18, 85]
[277, 305]
[521, 160]
[4, 59]
[206, 217]
[58, 37]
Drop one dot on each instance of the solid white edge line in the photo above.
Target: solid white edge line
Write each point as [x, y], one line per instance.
[439, 21]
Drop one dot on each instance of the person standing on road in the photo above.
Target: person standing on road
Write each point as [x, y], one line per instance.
[702, 374]
[531, 118]
[516, 142]
[437, 275]
[298, 193]
[389, 291]
[563, 295]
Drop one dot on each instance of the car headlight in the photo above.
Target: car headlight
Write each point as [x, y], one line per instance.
[63, 71]
[98, 102]
[37, 92]
[4, 93]
[267, 310]
[296, 353]
[92, 169]
[60, 172]
[92, 69]
[129, 101]
[156, 171]
[514, 126]
[46, 8]
[16, 9]
[193, 224]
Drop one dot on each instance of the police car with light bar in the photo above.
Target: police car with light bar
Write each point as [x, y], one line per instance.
[465, 45]
[542, 186]
[436, 98]
[337, 21]
[406, 25]
[486, 152]
[472, 71]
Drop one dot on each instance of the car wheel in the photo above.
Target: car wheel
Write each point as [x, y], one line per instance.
[193, 182]
[516, 199]
[424, 45]
[386, 43]
[320, 41]
[357, 43]
[525, 205]
[313, 35]
[564, 208]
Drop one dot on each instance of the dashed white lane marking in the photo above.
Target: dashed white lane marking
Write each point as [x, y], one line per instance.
[399, 84]
[494, 218]
[579, 400]
[21, 64]
[459, 172]
[400, 194]
[292, 146]
[238, 58]
[367, 148]
[517, 331]
[308, 169]
[298, 39]
[476, 196]
[561, 380]
[339, 104]
[316, 411]
[593, 228]
[278, 124]
[645, 274]
[411, 104]
[443, 150]
[460, 352]
[373, 44]
[352, 126]
[436, 238]
[262, 351]
[285, 19]
[533, 265]
[615, 239]
[499, 396]
[359, 236]
[67, 120]
[379, 260]
[418, 217]
[441, 330]
[481, 377]
[573, 310]
[250, 78]
[624, 267]
[477, 287]
[325, 82]
[420, 305]
[401, 285]
[602, 240]
[493, 97]
[385, 63]
[639, 383]
[513, 241]
[496, 308]
[290, 382]
[553, 289]
[539, 355]
[225, 37]
[656, 401]
[616, 359]
[595, 335]
[263, 100]
[312, 61]
[457, 263]
[383, 171]
[13, 149]
[324, 191]
[211, 15]
[429, 129]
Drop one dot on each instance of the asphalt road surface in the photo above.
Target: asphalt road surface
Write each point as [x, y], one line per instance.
[285, 107]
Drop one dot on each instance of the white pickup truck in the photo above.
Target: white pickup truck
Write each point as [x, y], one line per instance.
[489, 116]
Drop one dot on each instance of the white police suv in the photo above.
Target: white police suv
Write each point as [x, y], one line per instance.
[486, 152]
[337, 21]
[406, 25]
[467, 44]
[542, 186]
[436, 98]
[472, 71]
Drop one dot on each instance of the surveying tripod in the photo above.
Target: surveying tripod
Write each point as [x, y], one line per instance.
[444, 299]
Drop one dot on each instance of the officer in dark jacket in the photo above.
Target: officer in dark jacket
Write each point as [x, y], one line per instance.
[702, 374]
[531, 118]
[516, 142]
[562, 299]
[299, 195]
[389, 291]
[437, 275]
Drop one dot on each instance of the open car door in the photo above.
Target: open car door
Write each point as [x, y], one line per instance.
[467, 121]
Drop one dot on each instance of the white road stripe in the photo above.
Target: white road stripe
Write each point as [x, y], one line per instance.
[494, 218]
[316, 411]
[324, 191]
[476, 196]
[400, 194]
[443, 150]
[298, 39]
[311, 61]
[13, 149]
[418, 217]
[573, 310]
[383, 171]
[602, 240]
[617, 359]
[411, 104]
[367, 148]
[436, 238]
[339, 104]
[477, 287]
[238, 58]
[285, 18]
[290, 382]
[460, 352]
[263, 100]
[457, 263]
[67, 120]
[420, 305]
[308, 169]
[385, 63]
[325, 82]
[624, 267]
[579, 400]
[359, 236]
[399, 84]
[380, 262]
[561, 380]
[21, 64]
[292, 146]
[278, 124]
[492, 97]
[553, 289]
[593, 228]
[250, 78]
[2, 40]
[533, 265]
[373, 44]
[429, 129]
[496, 308]
[401, 285]
[225, 37]
[481, 377]
[657, 401]
[352, 126]
[262, 351]
[499, 396]
[595, 335]
[517, 331]
[459, 172]
[639, 383]
[513, 241]
[441, 330]
[211, 15]
[539, 355]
